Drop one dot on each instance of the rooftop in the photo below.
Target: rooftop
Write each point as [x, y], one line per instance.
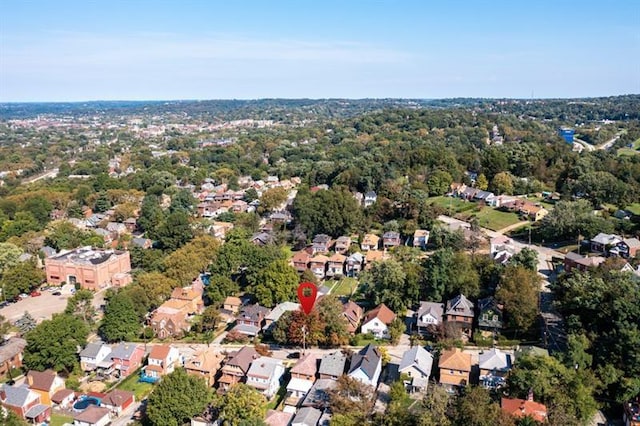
[86, 256]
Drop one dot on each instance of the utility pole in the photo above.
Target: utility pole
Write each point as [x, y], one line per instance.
[304, 339]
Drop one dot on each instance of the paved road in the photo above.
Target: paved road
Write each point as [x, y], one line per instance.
[608, 144]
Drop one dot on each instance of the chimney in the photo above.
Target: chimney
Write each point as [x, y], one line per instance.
[530, 395]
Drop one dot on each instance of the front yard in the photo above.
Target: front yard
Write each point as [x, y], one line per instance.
[495, 219]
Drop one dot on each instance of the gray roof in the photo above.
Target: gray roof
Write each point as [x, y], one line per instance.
[280, 309]
[317, 395]
[333, 364]
[123, 351]
[355, 257]
[16, 396]
[307, 416]
[460, 306]
[417, 357]
[48, 251]
[140, 242]
[249, 330]
[321, 238]
[494, 359]
[606, 239]
[11, 348]
[35, 411]
[91, 350]
[264, 367]
[367, 360]
[435, 309]
[632, 242]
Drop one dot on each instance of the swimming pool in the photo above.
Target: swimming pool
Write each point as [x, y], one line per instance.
[84, 401]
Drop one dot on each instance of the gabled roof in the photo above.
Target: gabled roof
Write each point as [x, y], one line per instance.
[280, 309]
[455, 359]
[352, 311]
[417, 357]
[337, 258]
[204, 361]
[366, 360]
[356, 258]
[307, 416]
[41, 380]
[16, 396]
[264, 367]
[11, 348]
[318, 394]
[333, 364]
[117, 397]
[254, 313]
[489, 304]
[632, 242]
[606, 239]
[124, 351]
[370, 239]
[391, 235]
[494, 359]
[160, 352]
[277, 418]
[460, 306]
[434, 309]
[382, 312]
[92, 414]
[321, 239]
[233, 301]
[243, 358]
[307, 365]
[319, 259]
[523, 407]
[61, 395]
[301, 257]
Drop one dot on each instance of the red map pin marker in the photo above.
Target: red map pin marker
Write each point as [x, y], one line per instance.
[307, 293]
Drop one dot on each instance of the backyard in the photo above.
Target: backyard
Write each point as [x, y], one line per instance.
[131, 384]
[345, 287]
[59, 420]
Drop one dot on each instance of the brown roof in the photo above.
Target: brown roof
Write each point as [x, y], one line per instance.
[41, 380]
[243, 358]
[184, 294]
[301, 257]
[382, 312]
[233, 301]
[153, 367]
[523, 407]
[455, 359]
[160, 352]
[277, 418]
[11, 348]
[374, 256]
[92, 414]
[204, 361]
[59, 396]
[117, 397]
[319, 259]
[307, 365]
[338, 258]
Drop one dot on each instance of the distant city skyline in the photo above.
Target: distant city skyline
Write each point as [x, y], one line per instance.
[164, 50]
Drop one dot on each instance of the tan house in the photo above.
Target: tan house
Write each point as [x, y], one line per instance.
[204, 364]
[301, 260]
[190, 295]
[455, 367]
[335, 265]
[45, 383]
[318, 265]
[342, 244]
[370, 242]
[92, 269]
[232, 304]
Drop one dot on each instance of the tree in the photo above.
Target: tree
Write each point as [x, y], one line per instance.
[352, 399]
[335, 325]
[385, 283]
[182, 201]
[177, 398]
[475, 408]
[518, 291]
[240, 405]
[210, 319]
[21, 278]
[5, 326]
[81, 304]
[298, 328]
[158, 287]
[220, 287]
[396, 328]
[40, 208]
[527, 258]
[334, 212]
[151, 215]
[174, 231]
[26, 323]
[276, 283]
[448, 273]
[186, 263]
[102, 203]
[571, 219]
[121, 321]
[502, 183]
[439, 182]
[272, 198]
[9, 418]
[482, 183]
[9, 254]
[434, 408]
[54, 343]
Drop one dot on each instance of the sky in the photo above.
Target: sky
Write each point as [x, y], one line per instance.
[59, 50]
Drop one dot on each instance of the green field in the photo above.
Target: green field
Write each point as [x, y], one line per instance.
[634, 208]
[59, 419]
[496, 219]
[131, 384]
[455, 204]
[345, 287]
[631, 151]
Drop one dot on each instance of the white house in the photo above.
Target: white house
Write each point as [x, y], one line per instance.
[265, 374]
[429, 314]
[377, 321]
[162, 360]
[416, 363]
[370, 197]
[366, 365]
[93, 354]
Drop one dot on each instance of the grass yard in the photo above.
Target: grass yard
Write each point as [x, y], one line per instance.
[631, 151]
[496, 219]
[456, 204]
[131, 384]
[59, 419]
[634, 208]
[345, 287]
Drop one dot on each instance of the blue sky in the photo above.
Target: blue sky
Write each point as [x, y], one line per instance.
[137, 49]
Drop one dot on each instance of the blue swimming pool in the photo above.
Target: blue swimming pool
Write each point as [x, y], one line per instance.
[84, 401]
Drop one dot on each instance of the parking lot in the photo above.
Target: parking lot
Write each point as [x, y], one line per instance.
[39, 307]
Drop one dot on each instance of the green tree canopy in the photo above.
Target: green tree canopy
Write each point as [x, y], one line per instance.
[121, 321]
[277, 283]
[240, 405]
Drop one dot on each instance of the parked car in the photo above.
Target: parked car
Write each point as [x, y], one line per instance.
[57, 293]
[35, 293]
[23, 296]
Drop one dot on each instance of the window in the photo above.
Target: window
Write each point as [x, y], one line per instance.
[54, 277]
[495, 318]
[485, 317]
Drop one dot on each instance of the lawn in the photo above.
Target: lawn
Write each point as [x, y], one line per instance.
[634, 208]
[630, 151]
[455, 204]
[59, 420]
[345, 287]
[131, 384]
[496, 219]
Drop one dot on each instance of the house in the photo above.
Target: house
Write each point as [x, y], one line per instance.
[24, 402]
[277, 418]
[300, 261]
[353, 264]
[118, 401]
[131, 224]
[374, 256]
[204, 364]
[390, 239]
[192, 298]
[416, 363]
[421, 238]
[370, 197]
[11, 354]
[352, 312]
[92, 269]
[370, 242]
[162, 360]
[127, 358]
[428, 316]
[251, 319]
[264, 375]
[321, 243]
[116, 229]
[232, 304]
[332, 365]
[93, 416]
[602, 242]
[303, 375]
[502, 248]
[574, 260]
[459, 312]
[366, 365]
[628, 247]
[455, 367]
[524, 407]
[143, 243]
[272, 317]
[494, 366]
[307, 416]
[631, 415]
[377, 321]
[93, 354]
[335, 265]
[237, 366]
[45, 383]
[169, 320]
[318, 265]
[63, 398]
[318, 395]
[489, 316]
[342, 244]
[262, 239]
[219, 230]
